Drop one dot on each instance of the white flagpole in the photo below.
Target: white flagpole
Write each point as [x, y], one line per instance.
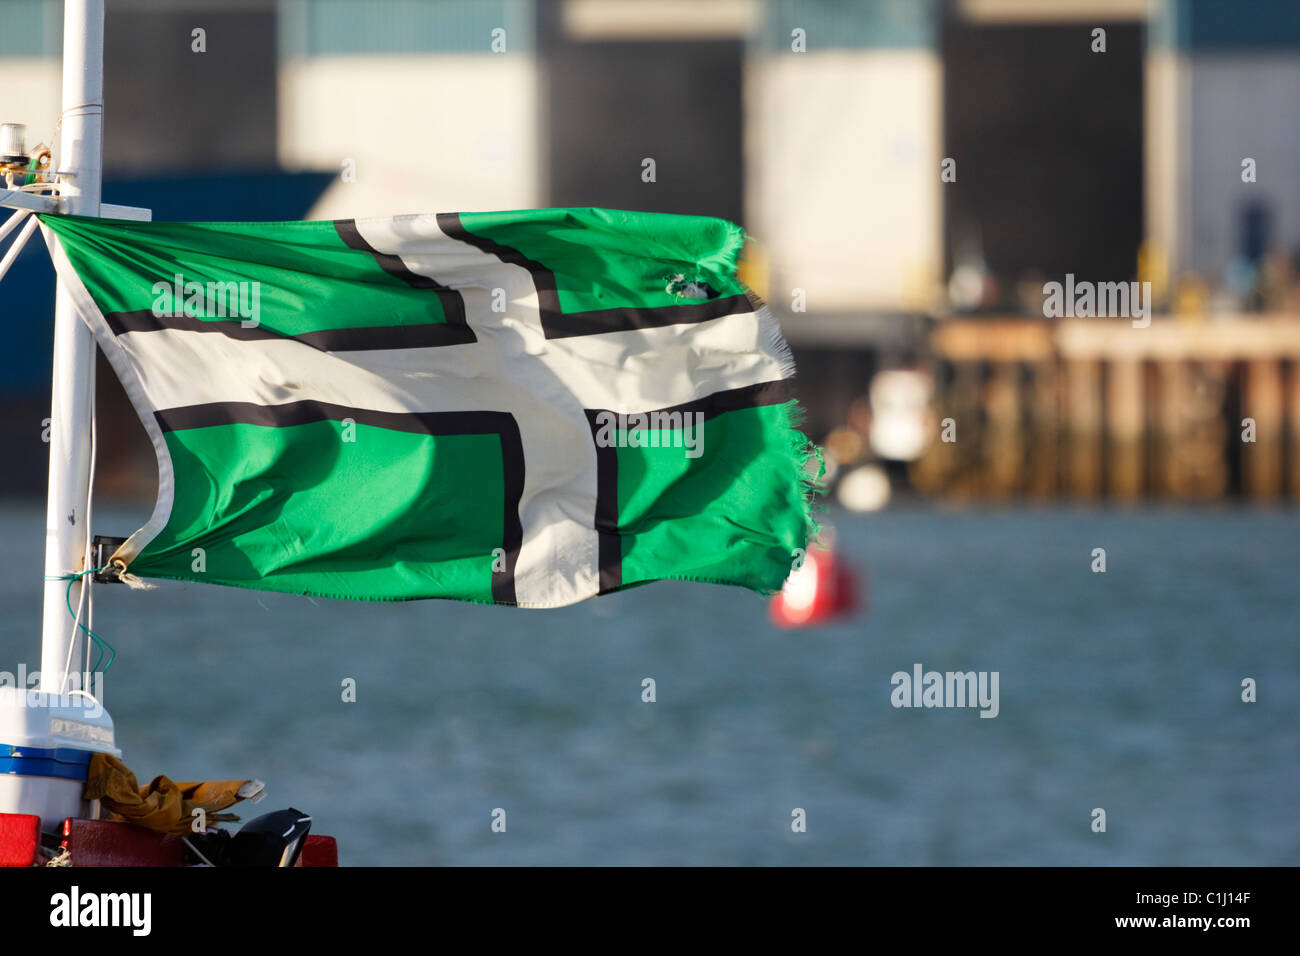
[72, 402]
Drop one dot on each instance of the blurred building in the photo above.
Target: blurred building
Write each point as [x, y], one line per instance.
[823, 126]
[819, 124]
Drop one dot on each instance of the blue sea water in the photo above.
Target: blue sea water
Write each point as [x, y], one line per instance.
[1119, 690]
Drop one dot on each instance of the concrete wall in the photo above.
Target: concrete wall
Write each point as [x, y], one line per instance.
[434, 103]
[1221, 86]
[1242, 106]
[428, 133]
[34, 84]
[842, 154]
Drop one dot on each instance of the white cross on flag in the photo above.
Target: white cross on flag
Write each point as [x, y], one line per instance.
[524, 408]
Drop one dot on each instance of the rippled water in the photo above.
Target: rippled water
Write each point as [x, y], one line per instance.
[1118, 690]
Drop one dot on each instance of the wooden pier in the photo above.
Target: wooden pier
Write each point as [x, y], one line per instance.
[1095, 408]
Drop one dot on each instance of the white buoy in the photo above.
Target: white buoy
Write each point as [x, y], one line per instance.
[865, 489]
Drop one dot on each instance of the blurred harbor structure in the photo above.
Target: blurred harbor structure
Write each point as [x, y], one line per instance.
[823, 126]
[1083, 410]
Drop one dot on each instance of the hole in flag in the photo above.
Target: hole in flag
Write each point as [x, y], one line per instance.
[683, 288]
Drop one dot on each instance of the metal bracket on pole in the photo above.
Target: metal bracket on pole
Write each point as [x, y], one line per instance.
[25, 204]
[137, 213]
[16, 199]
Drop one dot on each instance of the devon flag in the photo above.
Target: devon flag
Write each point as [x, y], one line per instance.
[527, 408]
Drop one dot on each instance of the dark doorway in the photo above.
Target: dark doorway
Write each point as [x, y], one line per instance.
[613, 104]
[168, 106]
[1047, 136]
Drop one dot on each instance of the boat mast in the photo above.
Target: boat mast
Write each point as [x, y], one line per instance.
[80, 140]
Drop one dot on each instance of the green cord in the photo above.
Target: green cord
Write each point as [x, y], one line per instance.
[100, 643]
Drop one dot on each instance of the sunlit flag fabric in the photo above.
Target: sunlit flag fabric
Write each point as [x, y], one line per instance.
[525, 408]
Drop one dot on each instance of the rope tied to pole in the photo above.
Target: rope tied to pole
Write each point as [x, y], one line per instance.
[100, 644]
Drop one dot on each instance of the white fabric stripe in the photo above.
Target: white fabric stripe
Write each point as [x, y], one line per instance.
[193, 368]
[133, 383]
[558, 559]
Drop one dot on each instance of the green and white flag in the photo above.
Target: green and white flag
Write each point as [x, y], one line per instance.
[525, 408]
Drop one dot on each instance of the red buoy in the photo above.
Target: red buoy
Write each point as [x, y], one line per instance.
[824, 588]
